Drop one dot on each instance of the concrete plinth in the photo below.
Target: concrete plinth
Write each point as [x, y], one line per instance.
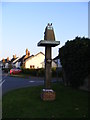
[48, 95]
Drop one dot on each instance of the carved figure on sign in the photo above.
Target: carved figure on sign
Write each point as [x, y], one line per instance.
[49, 33]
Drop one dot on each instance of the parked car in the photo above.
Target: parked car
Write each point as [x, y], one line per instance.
[15, 71]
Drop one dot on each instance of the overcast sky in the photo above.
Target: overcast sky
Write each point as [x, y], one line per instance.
[23, 25]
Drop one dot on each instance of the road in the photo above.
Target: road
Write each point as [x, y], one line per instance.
[9, 83]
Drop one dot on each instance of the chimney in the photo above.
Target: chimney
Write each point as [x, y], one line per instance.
[3, 60]
[14, 56]
[26, 51]
[7, 58]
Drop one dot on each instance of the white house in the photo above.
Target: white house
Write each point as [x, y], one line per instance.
[20, 60]
[16, 63]
[35, 61]
[5, 62]
[6, 65]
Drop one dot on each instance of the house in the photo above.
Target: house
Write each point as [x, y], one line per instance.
[20, 60]
[31, 62]
[34, 61]
[5, 62]
[57, 61]
[37, 61]
[13, 60]
[0, 64]
[27, 61]
[15, 63]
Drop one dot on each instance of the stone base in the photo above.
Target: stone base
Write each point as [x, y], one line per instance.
[48, 95]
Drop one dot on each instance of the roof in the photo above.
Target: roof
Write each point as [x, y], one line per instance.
[40, 53]
[13, 59]
[6, 61]
[16, 60]
[21, 59]
[57, 57]
[34, 56]
[28, 57]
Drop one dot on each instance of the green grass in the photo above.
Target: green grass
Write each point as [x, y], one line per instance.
[26, 103]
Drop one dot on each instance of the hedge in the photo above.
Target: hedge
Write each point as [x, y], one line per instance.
[75, 60]
[41, 72]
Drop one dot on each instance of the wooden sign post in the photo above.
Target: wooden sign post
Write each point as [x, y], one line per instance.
[48, 43]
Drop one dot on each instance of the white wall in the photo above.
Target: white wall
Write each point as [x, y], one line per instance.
[35, 61]
[17, 64]
[6, 65]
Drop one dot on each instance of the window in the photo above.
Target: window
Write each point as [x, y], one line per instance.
[31, 66]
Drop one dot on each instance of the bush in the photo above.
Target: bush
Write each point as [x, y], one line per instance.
[32, 72]
[6, 70]
[54, 72]
[41, 72]
[75, 60]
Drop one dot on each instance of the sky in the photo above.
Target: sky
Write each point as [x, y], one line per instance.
[23, 25]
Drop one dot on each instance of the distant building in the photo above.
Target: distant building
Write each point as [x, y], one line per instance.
[57, 61]
[5, 62]
[20, 60]
[15, 63]
[1, 64]
[34, 61]
[37, 61]
[27, 61]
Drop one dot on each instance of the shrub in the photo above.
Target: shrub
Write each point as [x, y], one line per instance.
[54, 73]
[75, 60]
[32, 72]
[41, 72]
[6, 70]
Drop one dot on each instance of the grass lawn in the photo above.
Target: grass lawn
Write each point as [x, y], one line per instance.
[26, 103]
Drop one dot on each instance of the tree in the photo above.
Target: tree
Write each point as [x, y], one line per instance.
[75, 60]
